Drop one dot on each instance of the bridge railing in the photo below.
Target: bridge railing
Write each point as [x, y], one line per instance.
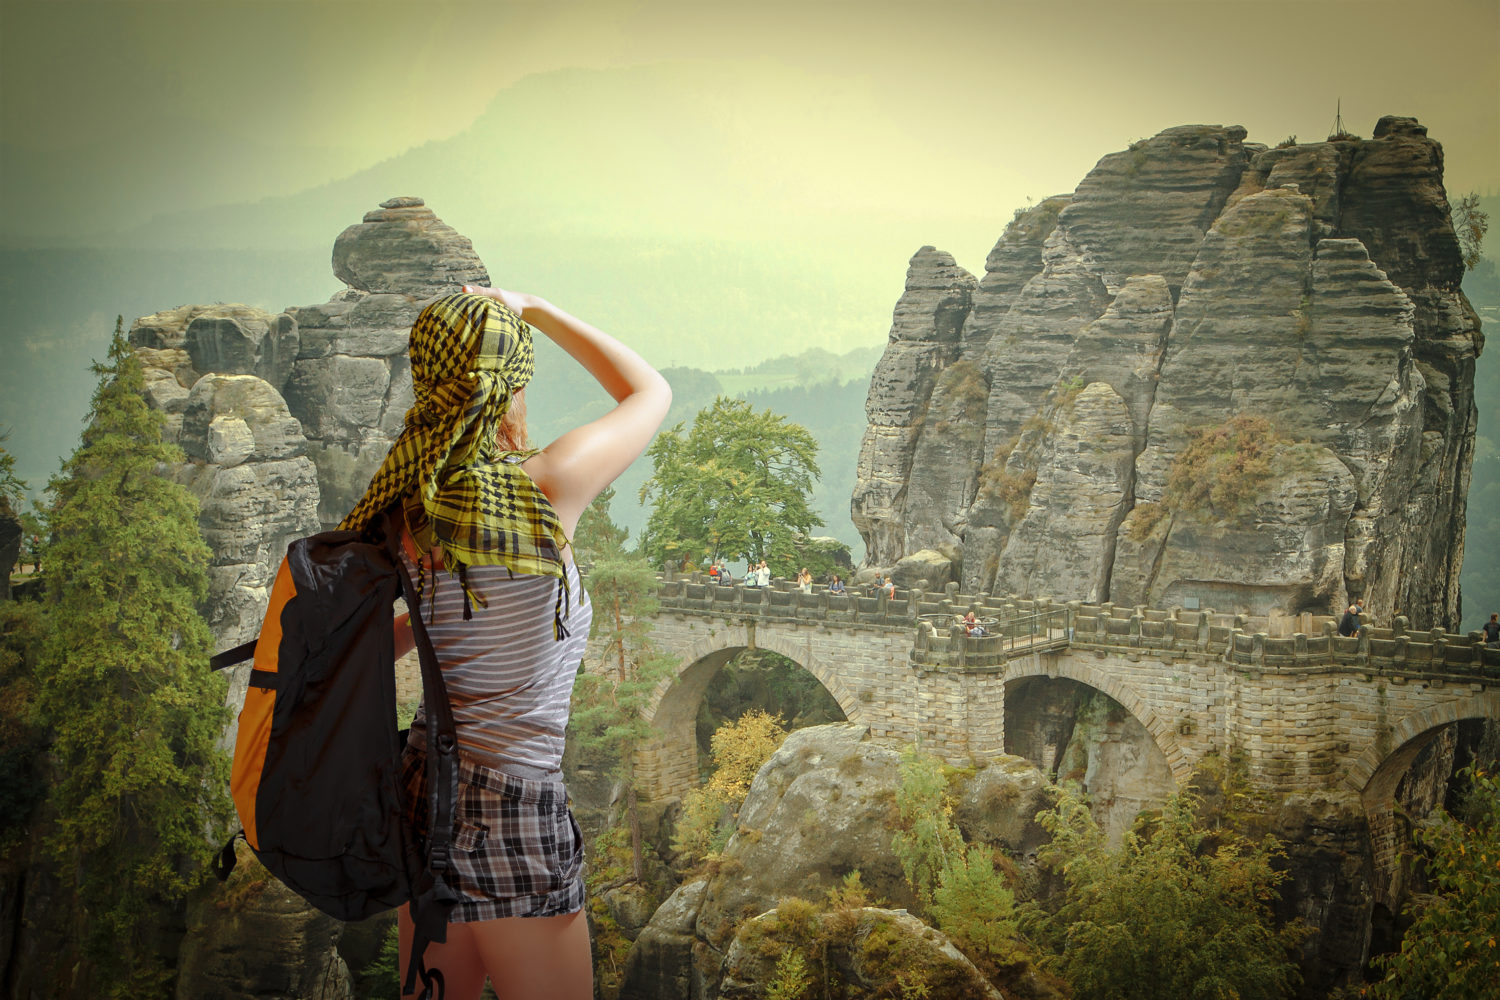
[1244, 640]
[943, 643]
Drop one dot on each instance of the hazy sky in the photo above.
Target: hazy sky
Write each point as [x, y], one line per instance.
[677, 172]
[183, 104]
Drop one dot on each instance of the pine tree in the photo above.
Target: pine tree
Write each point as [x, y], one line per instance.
[125, 686]
[610, 699]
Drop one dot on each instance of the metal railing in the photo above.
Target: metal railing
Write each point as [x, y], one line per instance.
[1001, 639]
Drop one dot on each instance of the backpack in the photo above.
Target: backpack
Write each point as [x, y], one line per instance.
[316, 773]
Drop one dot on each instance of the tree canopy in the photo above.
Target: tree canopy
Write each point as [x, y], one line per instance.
[1452, 949]
[125, 687]
[1176, 911]
[735, 486]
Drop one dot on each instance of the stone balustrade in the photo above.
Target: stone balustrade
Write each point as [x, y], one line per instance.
[1030, 625]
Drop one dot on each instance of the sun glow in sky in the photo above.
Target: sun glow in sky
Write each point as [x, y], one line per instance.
[717, 183]
[190, 104]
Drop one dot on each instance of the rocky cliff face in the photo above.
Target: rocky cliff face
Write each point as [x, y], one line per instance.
[1214, 371]
[283, 419]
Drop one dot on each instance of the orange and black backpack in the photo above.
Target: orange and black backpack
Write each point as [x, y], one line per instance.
[316, 774]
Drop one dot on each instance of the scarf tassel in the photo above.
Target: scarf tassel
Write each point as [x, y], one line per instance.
[562, 608]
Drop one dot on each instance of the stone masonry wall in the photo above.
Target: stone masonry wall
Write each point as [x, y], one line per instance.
[1310, 712]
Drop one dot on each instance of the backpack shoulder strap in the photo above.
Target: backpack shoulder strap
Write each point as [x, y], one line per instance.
[434, 898]
[228, 658]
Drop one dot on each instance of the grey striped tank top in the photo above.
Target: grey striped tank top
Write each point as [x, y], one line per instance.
[508, 677]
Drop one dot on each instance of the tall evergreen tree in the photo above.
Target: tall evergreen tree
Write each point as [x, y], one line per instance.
[125, 686]
[608, 716]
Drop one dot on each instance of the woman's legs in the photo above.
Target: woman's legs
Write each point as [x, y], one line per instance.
[529, 957]
[462, 968]
[525, 957]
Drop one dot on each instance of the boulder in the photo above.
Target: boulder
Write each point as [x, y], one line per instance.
[818, 809]
[257, 940]
[402, 247]
[243, 340]
[872, 951]
[661, 962]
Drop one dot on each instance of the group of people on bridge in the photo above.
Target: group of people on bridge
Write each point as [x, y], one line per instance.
[757, 574]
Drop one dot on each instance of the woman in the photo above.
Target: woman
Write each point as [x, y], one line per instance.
[488, 526]
[804, 581]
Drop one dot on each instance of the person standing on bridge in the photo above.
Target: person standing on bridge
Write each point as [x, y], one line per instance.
[1492, 631]
[1350, 623]
[508, 620]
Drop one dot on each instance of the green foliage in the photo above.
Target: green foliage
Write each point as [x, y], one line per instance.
[12, 489]
[1470, 223]
[1452, 949]
[791, 981]
[735, 486]
[927, 838]
[597, 534]
[1287, 143]
[382, 977]
[972, 905]
[956, 883]
[1176, 910]
[760, 678]
[124, 683]
[1224, 469]
[607, 720]
[611, 863]
[610, 698]
[22, 736]
[709, 812]
[822, 557]
[704, 826]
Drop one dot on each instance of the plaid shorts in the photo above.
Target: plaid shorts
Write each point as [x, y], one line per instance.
[517, 850]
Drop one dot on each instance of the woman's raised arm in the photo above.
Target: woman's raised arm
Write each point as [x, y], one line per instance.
[577, 467]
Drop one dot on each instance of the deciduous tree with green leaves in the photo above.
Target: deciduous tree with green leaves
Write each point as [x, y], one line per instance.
[1452, 949]
[735, 486]
[1176, 910]
[124, 685]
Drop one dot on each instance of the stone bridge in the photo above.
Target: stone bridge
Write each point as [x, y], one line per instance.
[1310, 710]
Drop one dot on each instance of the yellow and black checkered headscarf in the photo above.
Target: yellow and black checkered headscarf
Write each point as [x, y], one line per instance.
[460, 491]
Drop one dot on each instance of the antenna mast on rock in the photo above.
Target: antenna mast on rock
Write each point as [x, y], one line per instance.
[1338, 121]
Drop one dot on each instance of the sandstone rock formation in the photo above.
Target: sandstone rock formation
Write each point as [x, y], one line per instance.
[873, 951]
[818, 809]
[283, 418]
[263, 943]
[1192, 283]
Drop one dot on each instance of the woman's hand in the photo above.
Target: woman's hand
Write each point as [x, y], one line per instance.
[515, 301]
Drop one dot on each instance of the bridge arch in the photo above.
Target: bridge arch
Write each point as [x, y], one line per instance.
[1385, 758]
[1100, 679]
[671, 763]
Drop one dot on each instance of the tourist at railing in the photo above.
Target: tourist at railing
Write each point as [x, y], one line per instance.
[837, 586]
[804, 581]
[1350, 624]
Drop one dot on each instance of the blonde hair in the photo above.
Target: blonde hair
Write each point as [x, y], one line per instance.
[512, 434]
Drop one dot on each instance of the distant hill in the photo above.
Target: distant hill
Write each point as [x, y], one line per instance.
[790, 232]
